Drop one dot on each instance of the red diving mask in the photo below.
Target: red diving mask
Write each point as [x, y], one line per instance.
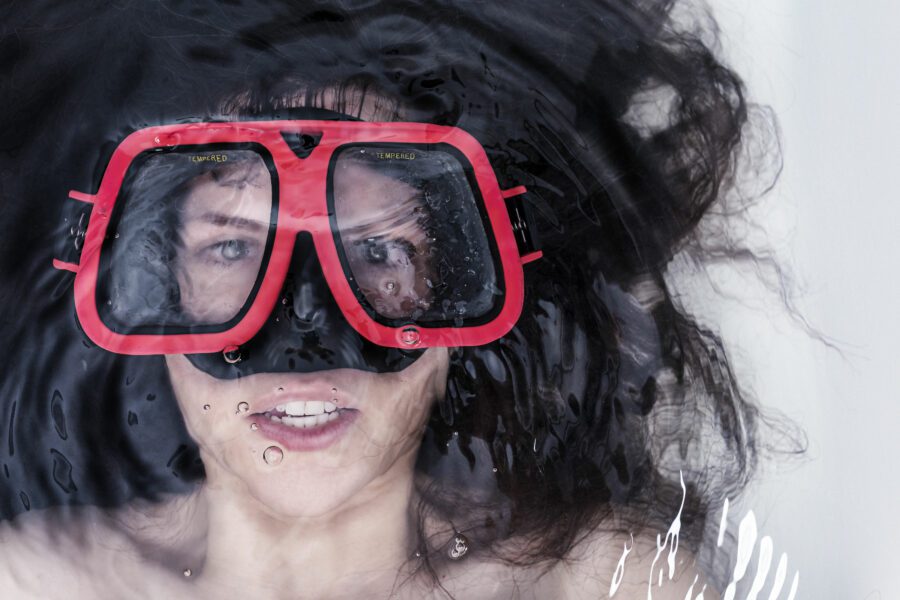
[186, 246]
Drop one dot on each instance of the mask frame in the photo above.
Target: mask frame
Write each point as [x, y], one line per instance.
[302, 152]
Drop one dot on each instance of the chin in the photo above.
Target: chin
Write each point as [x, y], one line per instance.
[305, 493]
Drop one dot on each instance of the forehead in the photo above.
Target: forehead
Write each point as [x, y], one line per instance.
[364, 197]
[242, 189]
[240, 195]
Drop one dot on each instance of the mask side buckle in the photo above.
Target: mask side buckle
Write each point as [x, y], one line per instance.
[75, 218]
[523, 226]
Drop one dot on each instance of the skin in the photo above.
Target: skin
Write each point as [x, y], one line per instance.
[325, 510]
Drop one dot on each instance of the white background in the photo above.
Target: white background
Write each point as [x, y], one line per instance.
[830, 70]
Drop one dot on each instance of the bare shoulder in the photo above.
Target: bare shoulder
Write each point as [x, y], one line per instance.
[617, 565]
[75, 552]
[52, 552]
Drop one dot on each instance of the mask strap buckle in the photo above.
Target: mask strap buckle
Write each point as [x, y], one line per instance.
[523, 226]
[75, 218]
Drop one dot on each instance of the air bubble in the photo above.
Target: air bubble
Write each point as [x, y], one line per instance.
[206, 407]
[187, 572]
[459, 546]
[253, 426]
[410, 336]
[232, 355]
[390, 286]
[243, 407]
[273, 455]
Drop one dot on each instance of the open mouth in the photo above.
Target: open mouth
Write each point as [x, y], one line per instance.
[304, 414]
[304, 424]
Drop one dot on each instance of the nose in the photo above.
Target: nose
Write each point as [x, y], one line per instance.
[305, 295]
[306, 332]
[307, 313]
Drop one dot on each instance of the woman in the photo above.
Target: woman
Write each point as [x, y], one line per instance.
[516, 453]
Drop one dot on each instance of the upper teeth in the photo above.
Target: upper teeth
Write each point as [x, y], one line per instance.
[307, 408]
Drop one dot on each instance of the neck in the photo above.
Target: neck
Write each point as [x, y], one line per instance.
[364, 544]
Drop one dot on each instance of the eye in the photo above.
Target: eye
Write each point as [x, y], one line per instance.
[373, 251]
[229, 251]
[376, 251]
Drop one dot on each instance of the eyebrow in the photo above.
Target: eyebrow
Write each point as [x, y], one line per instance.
[401, 220]
[223, 220]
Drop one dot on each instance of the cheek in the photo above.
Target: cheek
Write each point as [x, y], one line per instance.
[421, 386]
[203, 403]
[398, 405]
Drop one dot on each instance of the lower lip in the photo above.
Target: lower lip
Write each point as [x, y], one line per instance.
[300, 439]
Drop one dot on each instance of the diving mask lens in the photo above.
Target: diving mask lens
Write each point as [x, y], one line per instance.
[188, 240]
[411, 235]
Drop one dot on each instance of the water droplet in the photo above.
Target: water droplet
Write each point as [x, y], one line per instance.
[58, 415]
[494, 469]
[231, 354]
[156, 140]
[132, 419]
[333, 390]
[280, 389]
[390, 286]
[206, 407]
[459, 546]
[253, 426]
[62, 472]
[187, 572]
[243, 407]
[273, 455]
[410, 336]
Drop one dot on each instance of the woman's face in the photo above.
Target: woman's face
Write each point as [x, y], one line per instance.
[304, 443]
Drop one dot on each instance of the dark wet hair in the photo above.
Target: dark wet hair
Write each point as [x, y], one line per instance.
[621, 121]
